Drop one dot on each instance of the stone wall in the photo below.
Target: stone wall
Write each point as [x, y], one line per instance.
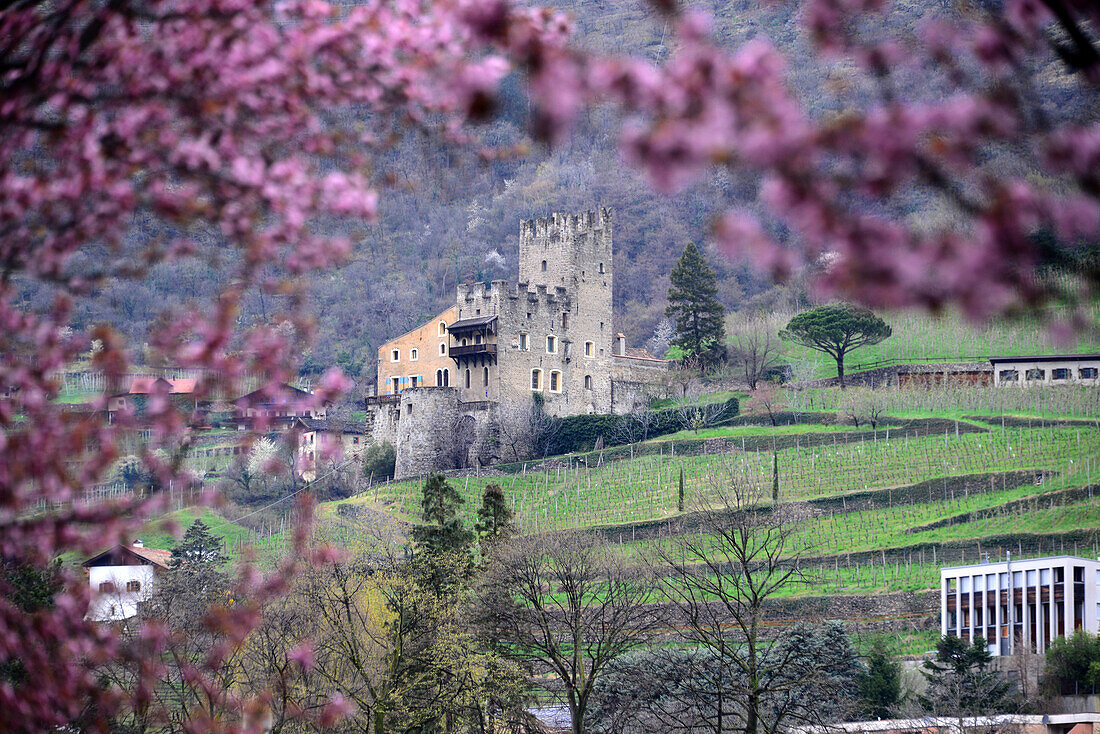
[924, 375]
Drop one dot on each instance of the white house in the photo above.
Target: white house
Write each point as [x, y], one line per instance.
[1015, 603]
[121, 577]
[1046, 369]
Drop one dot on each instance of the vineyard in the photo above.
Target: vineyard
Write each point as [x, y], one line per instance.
[579, 494]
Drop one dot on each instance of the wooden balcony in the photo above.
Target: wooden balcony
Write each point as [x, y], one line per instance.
[474, 350]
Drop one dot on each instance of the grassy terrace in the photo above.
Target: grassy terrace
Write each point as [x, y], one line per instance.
[647, 487]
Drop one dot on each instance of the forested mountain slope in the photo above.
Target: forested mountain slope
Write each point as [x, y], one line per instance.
[457, 219]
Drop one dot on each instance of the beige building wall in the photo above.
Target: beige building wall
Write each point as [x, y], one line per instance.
[417, 358]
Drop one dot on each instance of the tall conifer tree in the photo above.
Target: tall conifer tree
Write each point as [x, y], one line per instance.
[693, 303]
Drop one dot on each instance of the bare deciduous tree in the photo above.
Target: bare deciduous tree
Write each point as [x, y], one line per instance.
[566, 604]
[718, 581]
[755, 349]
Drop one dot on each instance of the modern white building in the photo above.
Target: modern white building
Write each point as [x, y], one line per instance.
[1013, 603]
[1048, 369]
[121, 577]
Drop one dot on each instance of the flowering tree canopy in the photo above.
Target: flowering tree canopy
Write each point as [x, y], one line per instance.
[251, 133]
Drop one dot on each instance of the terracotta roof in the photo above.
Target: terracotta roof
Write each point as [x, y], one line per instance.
[144, 385]
[149, 555]
[154, 555]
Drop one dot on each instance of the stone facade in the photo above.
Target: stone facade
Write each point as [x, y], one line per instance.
[551, 332]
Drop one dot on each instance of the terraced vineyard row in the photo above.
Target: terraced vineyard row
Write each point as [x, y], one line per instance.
[647, 488]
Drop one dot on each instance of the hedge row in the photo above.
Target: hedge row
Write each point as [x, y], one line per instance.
[579, 433]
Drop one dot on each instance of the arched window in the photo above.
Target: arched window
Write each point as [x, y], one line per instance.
[467, 378]
[414, 355]
[443, 328]
[439, 378]
[601, 268]
[588, 382]
[485, 376]
[544, 266]
[555, 381]
[589, 349]
[536, 379]
[442, 349]
[446, 378]
[463, 342]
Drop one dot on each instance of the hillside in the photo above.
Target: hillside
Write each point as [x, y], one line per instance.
[920, 337]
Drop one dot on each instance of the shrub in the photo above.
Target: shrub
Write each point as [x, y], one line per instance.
[581, 432]
[379, 460]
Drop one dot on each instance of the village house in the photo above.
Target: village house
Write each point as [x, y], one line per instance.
[317, 434]
[282, 407]
[122, 577]
[180, 391]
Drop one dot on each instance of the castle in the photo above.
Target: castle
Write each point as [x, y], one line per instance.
[442, 388]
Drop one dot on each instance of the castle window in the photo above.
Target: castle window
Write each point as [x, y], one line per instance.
[439, 378]
[395, 355]
[564, 321]
[477, 338]
[414, 355]
[408, 408]
[467, 378]
[601, 268]
[589, 349]
[588, 382]
[442, 349]
[601, 326]
[523, 341]
[555, 381]
[536, 379]
[446, 378]
[544, 266]
[463, 342]
[443, 328]
[485, 376]
[551, 345]
[396, 384]
[412, 381]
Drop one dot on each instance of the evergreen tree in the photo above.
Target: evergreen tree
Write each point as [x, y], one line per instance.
[880, 686]
[442, 530]
[494, 518]
[961, 681]
[198, 546]
[836, 330]
[693, 303]
[680, 494]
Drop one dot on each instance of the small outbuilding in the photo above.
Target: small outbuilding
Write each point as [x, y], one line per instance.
[1046, 369]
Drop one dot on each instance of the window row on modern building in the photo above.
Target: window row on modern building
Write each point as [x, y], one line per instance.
[1020, 604]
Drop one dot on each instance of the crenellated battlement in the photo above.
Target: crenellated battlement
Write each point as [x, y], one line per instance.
[561, 224]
